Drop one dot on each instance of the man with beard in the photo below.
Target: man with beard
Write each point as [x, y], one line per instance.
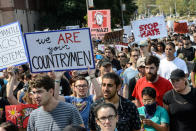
[128, 117]
[151, 79]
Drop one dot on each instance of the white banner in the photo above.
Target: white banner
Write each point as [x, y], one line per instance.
[60, 50]
[12, 50]
[151, 27]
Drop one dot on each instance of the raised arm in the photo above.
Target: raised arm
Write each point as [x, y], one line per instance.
[97, 87]
[9, 88]
[58, 76]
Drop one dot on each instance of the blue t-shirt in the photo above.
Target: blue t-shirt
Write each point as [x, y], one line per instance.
[83, 106]
[160, 116]
[128, 74]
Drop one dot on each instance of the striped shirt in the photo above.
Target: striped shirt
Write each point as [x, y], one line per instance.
[63, 115]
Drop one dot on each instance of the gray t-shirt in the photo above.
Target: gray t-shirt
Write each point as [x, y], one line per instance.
[63, 115]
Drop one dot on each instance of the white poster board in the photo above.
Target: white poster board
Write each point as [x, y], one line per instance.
[150, 27]
[127, 30]
[170, 23]
[12, 50]
[101, 47]
[60, 50]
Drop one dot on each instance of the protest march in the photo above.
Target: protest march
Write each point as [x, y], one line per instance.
[138, 77]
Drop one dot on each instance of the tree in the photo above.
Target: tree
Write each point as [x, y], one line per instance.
[114, 6]
[58, 13]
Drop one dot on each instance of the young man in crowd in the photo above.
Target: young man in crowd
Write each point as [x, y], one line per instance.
[127, 92]
[128, 117]
[170, 63]
[109, 54]
[132, 71]
[52, 115]
[151, 79]
[82, 101]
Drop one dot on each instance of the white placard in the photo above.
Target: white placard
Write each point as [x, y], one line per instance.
[101, 47]
[127, 30]
[170, 23]
[60, 50]
[12, 50]
[72, 27]
[119, 47]
[150, 27]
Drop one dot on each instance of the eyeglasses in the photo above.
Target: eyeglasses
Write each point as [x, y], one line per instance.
[103, 119]
[81, 86]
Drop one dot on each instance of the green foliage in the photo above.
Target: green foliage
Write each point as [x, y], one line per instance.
[63, 13]
[183, 7]
[72, 12]
[114, 6]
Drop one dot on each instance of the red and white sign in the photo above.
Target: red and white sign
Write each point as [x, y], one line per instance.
[149, 28]
[99, 21]
[19, 114]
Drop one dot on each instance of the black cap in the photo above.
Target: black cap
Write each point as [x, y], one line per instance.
[177, 74]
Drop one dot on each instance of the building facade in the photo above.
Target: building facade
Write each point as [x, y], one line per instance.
[24, 11]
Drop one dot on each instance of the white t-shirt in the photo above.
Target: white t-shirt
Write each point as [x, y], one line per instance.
[162, 56]
[166, 67]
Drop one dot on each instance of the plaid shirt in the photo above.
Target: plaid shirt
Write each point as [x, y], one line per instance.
[128, 116]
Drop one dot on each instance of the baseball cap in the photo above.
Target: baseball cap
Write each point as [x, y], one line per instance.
[141, 61]
[143, 43]
[177, 74]
[104, 62]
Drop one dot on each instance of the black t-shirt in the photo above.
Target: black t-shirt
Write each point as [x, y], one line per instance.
[188, 53]
[3, 90]
[182, 110]
[66, 90]
[3, 103]
[131, 87]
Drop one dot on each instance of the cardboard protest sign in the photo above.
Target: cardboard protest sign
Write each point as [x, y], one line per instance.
[60, 50]
[115, 36]
[19, 114]
[12, 50]
[99, 21]
[149, 28]
[181, 28]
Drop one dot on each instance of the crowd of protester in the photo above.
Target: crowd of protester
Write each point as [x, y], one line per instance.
[149, 85]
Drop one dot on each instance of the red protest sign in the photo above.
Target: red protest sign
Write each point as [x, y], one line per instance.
[181, 28]
[99, 21]
[19, 114]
